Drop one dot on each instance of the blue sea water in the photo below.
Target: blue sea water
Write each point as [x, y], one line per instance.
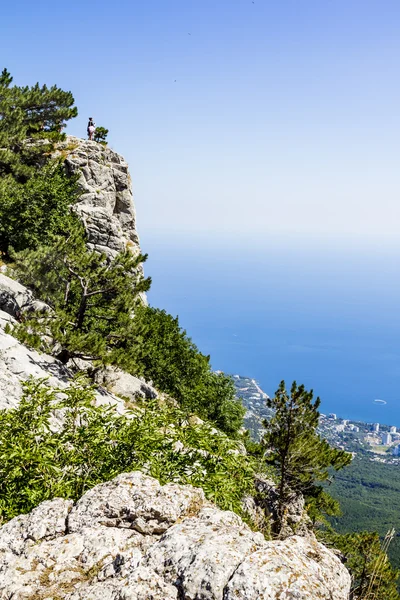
[323, 315]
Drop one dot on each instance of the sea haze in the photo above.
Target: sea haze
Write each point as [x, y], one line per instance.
[324, 315]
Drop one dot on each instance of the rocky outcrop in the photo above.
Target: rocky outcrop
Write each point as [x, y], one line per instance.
[106, 206]
[13, 296]
[15, 299]
[124, 385]
[295, 521]
[18, 363]
[133, 539]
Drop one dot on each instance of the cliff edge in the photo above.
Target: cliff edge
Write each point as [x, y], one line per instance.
[106, 206]
[133, 539]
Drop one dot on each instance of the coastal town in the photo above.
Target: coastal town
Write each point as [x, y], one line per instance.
[380, 442]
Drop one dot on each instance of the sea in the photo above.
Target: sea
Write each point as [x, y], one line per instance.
[323, 313]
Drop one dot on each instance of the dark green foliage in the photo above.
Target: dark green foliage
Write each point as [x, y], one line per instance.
[91, 298]
[100, 135]
[369, 495]
[164, 354]
[28, 116]
[32, 213]
[300, 457]
[35, 194]
[94, 443]
[373, 577]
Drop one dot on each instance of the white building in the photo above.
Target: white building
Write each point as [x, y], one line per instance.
[345, 422]
[332, 416]
[386, 439]
[393, 429]
[375, 427]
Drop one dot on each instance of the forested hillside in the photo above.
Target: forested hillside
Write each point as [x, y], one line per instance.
[369, 494]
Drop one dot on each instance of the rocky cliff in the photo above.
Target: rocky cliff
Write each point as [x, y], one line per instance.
[132, 539]
[106, 206]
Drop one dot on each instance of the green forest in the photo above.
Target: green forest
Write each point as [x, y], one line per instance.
[369, 494]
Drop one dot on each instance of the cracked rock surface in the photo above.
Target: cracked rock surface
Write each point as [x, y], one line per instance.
[106, 206]
[133, 539]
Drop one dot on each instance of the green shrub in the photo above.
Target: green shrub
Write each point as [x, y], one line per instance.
[94, 443]
[163, 353]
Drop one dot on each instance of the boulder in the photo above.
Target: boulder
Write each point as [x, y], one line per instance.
[296, 521]
[16, 299]
[134, 539]
[124, 385]
[296, 568]
[13, 296]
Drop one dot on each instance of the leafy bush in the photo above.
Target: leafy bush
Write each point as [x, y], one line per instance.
[163, 353]
[93, 444]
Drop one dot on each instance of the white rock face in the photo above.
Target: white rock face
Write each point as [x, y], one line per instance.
[298, 567]
[123, 384]
[133, 539]
[13, 296]
[106, 206]
[18, 363]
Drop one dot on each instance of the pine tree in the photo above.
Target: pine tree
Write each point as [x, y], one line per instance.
[299, 456]
[100, 135]
[91, 298]
[29, 115]
[33, 212]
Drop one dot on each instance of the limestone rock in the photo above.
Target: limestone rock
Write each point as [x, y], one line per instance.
[202, 553]
[106, 206]
[296, 519]
[18, 363]
[16, 299]
[47, 521]
[6, 318]
[133, 539]
[135, 502]
[13, 296]
[296, 568]
[124, 385]
[20, 293]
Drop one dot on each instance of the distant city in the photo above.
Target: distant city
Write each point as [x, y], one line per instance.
[380, 442]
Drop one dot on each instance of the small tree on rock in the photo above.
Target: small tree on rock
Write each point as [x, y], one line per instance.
[299, 456]
[92, 298]
[100, 135]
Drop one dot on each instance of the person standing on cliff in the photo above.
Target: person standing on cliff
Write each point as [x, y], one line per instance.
[91, 128]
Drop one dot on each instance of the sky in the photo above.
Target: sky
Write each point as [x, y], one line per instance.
[239, 119]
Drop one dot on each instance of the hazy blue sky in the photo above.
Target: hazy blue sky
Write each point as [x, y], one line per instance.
[251, 118]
